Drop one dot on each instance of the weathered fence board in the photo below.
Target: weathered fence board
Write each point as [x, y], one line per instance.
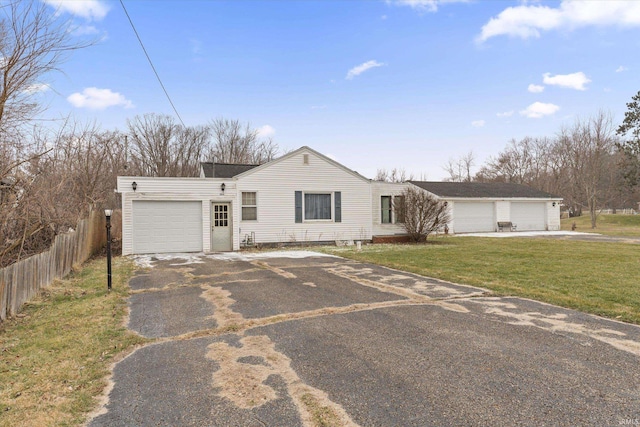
[19, 282]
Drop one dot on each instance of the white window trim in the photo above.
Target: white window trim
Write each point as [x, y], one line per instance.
[392, 214]
[331, 209]
[249, 206]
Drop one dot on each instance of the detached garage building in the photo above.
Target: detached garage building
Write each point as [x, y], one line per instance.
[478, 207]
[302, 196]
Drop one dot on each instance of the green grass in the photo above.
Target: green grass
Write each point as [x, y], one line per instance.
[610, 225]
[55, 356]
[598, 278]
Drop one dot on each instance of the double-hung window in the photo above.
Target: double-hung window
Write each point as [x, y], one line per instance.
[385, 204]
[399, 209]
[249, 206]
[392, 209]
[317, 206]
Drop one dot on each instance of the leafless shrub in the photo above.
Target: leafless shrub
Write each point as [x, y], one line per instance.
[423, 213]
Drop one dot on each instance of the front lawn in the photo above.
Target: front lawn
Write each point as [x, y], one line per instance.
[55, 356]
[610, 225]
[598, 278]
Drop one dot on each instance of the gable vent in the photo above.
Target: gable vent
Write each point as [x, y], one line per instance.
[305, 159]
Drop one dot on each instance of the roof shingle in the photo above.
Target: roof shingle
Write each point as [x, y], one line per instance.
[482, 189]
[224, 170]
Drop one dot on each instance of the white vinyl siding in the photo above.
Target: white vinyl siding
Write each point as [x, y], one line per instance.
[471, 217]
[529, 216]
[166, 226]
[379, 190]
[202, 190]
[277, 184]
[249, 206]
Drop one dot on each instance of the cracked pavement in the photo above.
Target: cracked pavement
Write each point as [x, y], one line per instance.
[302, 339]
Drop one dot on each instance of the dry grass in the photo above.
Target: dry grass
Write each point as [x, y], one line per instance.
[610, 225]
[321, 416]
[55, 356]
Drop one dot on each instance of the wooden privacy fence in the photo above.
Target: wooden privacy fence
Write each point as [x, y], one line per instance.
[20, 281]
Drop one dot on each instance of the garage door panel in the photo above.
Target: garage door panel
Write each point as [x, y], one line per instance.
[529, 216]
[167, 226]
[470, 217]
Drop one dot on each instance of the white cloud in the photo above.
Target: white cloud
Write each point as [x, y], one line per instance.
[539, 109]
[424, 5]
[505, 114]
[572, 81]
[87, 9]
[477, 123]
[98, 99]
[37, 87]
[266, 131]
[83, 30]
[535, 88]
[527, 21]
[621, 69]
[359, 69]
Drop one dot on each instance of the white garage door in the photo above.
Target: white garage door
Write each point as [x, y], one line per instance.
[163, 226]
[471, 217]
[529, 215]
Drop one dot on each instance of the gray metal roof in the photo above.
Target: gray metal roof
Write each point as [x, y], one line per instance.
[482, 190]
[224, 170]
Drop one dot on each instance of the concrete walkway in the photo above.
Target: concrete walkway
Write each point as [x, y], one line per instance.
[300, 339]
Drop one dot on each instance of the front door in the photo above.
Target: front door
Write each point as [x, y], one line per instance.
[221, 231]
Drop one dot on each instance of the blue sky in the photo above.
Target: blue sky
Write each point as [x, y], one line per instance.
[371, 83]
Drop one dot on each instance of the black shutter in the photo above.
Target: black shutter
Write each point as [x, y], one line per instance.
[298, 206]
[337, 198]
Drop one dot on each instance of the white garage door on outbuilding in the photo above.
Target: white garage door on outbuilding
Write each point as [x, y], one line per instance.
[478, 206]
[167, 226]
[473, 217]
[529, 216]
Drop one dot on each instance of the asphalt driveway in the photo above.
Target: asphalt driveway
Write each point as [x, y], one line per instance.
[300, 339]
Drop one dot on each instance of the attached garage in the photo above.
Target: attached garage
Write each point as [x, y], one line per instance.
[472, 217]
[166, 226]
[529, 216]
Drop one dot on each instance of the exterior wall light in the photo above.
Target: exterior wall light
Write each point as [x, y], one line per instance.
[222, 187]
[553, 204]
[134, 185]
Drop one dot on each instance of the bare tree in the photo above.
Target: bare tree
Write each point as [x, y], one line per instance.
[237, 143]
[630, 145]
[74, 174]
[33, 42]
[459, 170]
[395, 175]
[162, 147]
[423, 213]
[588, 152]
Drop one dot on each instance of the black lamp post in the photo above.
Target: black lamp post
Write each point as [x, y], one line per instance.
[107, 213]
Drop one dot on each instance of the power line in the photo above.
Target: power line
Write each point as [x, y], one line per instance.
[151, 63]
